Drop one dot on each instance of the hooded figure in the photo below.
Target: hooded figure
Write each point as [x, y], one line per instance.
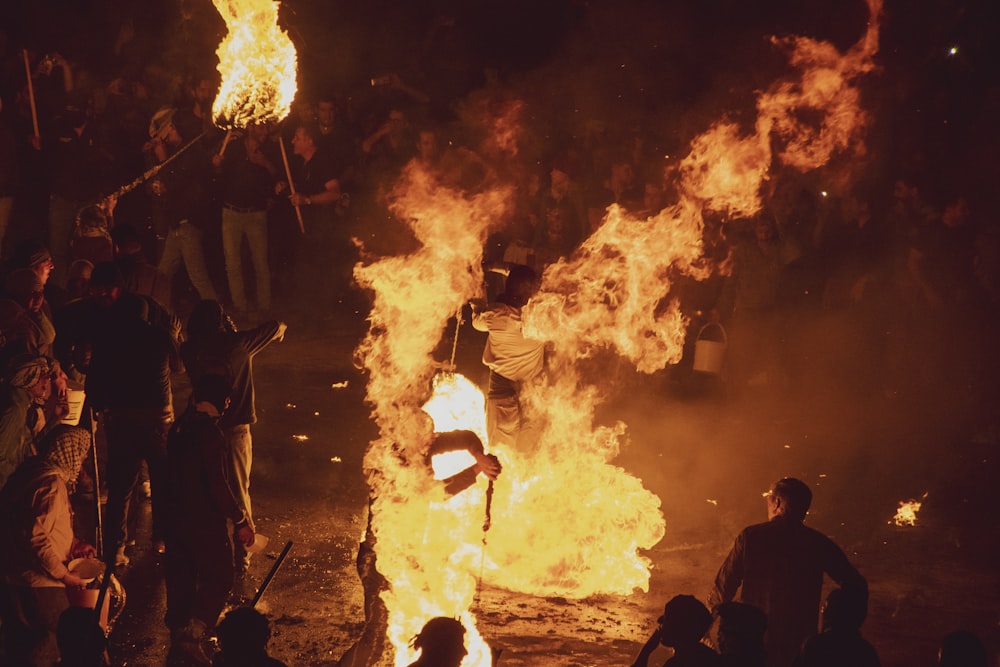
[36, 527]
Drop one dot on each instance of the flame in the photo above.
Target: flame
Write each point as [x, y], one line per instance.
[906, 513]
[566, 521]
[257, 63]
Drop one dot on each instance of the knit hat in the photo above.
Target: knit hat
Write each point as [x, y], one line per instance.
[29, 253]
[161, 120]
[26, 369]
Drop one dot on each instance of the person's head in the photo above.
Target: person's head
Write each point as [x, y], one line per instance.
[441, 642]
[789, 497]
[842, 611]
[80, 638]
[520, 286]
[243, 632]
[962, 649]
[304, 140]
[78, 278]
[741, 628]
[106, 284]
[212, 389]
[162, 127]
[33, 374]
[326, 111]
[257, 132]
[202, 90]
[67, 454]
[427, 145]
[33, 255]
[684, 622]
[26, 288]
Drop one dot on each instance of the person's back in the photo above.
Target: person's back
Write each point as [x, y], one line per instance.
[780, 565]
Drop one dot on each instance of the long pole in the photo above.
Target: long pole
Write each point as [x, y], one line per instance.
[152, 171]
[97, 483]
[270, 575]
[291, 185]
[31, 94]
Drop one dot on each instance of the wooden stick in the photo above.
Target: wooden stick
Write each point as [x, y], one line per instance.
[31, 93]
[291, 185]
[225, 142]
[270, 574]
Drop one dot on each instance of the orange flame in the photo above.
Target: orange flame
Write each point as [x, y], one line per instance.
[906, 513]
[566, 521]
[257, 63]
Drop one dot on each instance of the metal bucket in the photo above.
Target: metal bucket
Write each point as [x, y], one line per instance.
[710, 353]
[90, 570]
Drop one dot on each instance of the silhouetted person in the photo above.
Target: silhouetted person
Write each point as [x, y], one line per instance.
[962, 649]
[81, 639]
[779, 565]
[243, 636]
[740, 635]
[684, 622]
[841, 642]
[441, 643]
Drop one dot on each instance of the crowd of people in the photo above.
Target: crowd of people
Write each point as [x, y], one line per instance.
[142, 246]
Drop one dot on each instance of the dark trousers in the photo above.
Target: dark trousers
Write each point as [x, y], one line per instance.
[134, 436]
[199, 571]
[30, 616]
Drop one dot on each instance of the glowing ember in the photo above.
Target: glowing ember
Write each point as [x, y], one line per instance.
[257, 63]
[906, 514]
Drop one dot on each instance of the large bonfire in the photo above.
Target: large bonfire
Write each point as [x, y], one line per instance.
[565, 520]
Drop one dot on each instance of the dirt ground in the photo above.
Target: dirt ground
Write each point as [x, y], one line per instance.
[707, 453]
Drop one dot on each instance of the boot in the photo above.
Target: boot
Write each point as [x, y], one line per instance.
[190, 641]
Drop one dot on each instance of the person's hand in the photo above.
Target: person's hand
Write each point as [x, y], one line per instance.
[158, 188]
[489, 465]
[73, 581]
[299, 199]
[280, 187]
[245, 535]
[280, 335]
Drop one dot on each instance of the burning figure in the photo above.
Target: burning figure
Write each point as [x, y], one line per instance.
[451, 465]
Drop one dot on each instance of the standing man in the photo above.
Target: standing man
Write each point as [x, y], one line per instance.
[128, 381]
[181, 201]
[248, 172]
[326, 260]
[512, 359]
[214, 346]
[780, 566]
[201, 515]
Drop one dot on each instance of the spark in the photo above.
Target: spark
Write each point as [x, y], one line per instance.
[300, 438]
